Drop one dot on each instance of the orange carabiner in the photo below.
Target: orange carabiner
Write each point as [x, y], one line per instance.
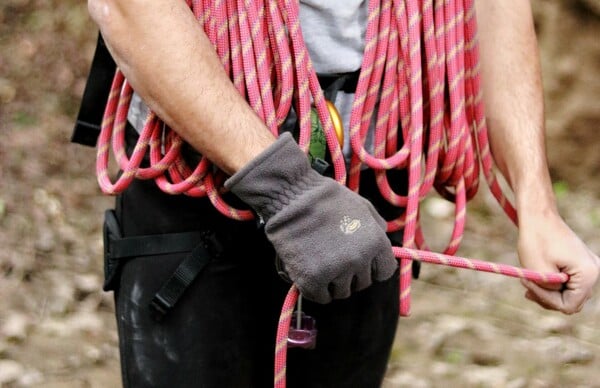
[338, 125]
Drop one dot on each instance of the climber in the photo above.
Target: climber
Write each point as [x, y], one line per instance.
[329, 240]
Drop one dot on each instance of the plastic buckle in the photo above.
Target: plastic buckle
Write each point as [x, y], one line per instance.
[320, 166]
[303, 333]
[303, 329]
[159, 307]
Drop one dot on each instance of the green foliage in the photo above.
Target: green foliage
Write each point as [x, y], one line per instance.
[595, 217]
[454, 356]
[561, 189]
[24, 119]
[318, 143]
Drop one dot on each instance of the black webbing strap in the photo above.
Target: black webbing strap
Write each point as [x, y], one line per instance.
[118, 249]
[152, 245]
[334, 83]
[172, 290]
[203, 246]
[95, 95]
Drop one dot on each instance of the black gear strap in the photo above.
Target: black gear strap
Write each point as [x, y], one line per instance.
[172, 290]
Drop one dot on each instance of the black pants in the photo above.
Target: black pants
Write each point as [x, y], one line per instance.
[221, 333]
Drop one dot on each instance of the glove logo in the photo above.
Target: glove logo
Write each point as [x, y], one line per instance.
[349, 225]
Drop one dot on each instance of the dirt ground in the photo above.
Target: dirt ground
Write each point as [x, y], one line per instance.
[467, 329]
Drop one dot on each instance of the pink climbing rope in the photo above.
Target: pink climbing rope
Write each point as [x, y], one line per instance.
[291, 298]
[419, 87]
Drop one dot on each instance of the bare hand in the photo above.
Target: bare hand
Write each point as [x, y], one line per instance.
[547, 244]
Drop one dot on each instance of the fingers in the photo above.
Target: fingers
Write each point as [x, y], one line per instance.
[551, 286]
[346, 284]
[338, 289]
[320, 295]
[341, 288]
[567, 301]
[361, 281]
[382, 268]
[532, 297]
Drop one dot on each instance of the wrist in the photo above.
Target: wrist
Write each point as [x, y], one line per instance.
[270, 180]
[534, 195]
[536, 204]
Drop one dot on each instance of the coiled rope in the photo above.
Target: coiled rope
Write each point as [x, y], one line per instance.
[420, 68]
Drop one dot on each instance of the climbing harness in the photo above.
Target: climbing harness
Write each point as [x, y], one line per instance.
[200, 248]
[420, 68]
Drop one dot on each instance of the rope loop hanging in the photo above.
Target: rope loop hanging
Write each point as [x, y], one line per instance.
[419, 84]
[418, 90]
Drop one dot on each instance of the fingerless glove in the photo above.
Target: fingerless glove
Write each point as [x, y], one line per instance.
[331, 240]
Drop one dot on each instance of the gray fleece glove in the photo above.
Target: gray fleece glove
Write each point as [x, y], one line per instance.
[331, 240]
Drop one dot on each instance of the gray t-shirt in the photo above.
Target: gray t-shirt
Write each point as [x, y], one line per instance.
[334, 33]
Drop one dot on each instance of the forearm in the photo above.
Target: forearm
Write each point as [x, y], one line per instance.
[513, 97]
[169, 61]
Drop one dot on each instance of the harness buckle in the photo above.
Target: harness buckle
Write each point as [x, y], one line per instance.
[159, 307]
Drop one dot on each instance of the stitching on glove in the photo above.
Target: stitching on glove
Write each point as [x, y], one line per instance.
[283, 195]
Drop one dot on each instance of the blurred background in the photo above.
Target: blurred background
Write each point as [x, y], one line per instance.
[467, 329]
